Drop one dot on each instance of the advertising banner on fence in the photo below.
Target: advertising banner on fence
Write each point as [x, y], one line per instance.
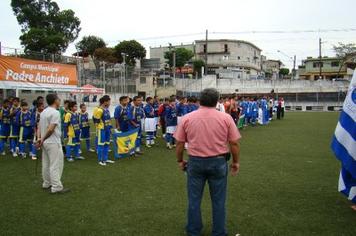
[31, 74]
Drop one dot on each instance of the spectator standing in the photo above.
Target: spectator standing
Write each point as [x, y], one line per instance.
[210, 135]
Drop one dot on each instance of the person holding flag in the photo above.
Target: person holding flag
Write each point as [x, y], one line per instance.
[121, 115]
[344, 144]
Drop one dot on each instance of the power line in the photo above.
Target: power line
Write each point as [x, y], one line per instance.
[249, 32]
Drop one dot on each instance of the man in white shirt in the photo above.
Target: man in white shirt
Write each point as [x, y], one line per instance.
[50, 141]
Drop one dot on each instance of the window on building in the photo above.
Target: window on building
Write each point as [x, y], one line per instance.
[142, 80]
[226, 48]
[335, 63]
[238, 58]
[316, 64]
[204, 48]
[26, 91]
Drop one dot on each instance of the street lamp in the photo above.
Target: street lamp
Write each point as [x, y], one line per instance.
[124, 79]
[293, 59]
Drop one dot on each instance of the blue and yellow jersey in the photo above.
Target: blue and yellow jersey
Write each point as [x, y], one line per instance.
[5, 116]
[102, 118]
[14, 111]
[23, 119]
[84, 120]
[71, 122]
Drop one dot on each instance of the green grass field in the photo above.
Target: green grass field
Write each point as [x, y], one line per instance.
[287, 186]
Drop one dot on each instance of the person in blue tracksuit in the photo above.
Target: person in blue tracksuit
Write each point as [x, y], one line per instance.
[35, 119]
[265, 111]
[121, 115]
[24, 119]
[254, 111]
[192, 104]
[15, 128]
[150, 123]
[85, 127]
[136, 115]
[171, 122]
[5, 122]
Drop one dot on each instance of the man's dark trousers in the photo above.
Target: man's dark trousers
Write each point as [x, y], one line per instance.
[214, 170]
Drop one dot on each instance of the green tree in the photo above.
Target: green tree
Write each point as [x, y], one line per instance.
[183, 56]
[89, 44]
[44, 26]
[133, 50]
[197, 65]
[342, 49]
[105, 54]
[284, 71]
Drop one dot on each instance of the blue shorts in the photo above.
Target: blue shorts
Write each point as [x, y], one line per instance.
[73, 141]
[5, 131]
[14, 131]
[85, 133]
[25, 134]
[104, 136]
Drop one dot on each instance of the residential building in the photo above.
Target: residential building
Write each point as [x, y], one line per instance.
[158, 52]
[237, 55]
[271, 68]
[327, 67]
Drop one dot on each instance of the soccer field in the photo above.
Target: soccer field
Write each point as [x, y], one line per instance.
[287, 186]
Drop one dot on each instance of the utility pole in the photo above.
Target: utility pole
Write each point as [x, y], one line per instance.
[320, 65]
[173, 62]
[206, 52]
[174, 67]
[104, 75]
[294, 62]
[124, 79]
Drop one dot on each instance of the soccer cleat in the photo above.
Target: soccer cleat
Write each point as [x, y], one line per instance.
[169, 146]
[102, 163]
[14, 154]
[23, 155]
[91, 150]
[174, 145]
[80, 151]
[64, 190]
[110, 161]
[70, 159]
[80, 158]
[148, 146]
[34, 158]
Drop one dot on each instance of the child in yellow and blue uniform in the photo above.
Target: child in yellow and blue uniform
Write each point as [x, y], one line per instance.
[23, 119]
[102, 120]
[14, 128]
[5, 122]
[71, 127]
[85, 127]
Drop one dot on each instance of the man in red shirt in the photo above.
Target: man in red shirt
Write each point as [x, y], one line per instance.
[210, 135]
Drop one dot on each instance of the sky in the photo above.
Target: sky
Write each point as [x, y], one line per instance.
[159, 22]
